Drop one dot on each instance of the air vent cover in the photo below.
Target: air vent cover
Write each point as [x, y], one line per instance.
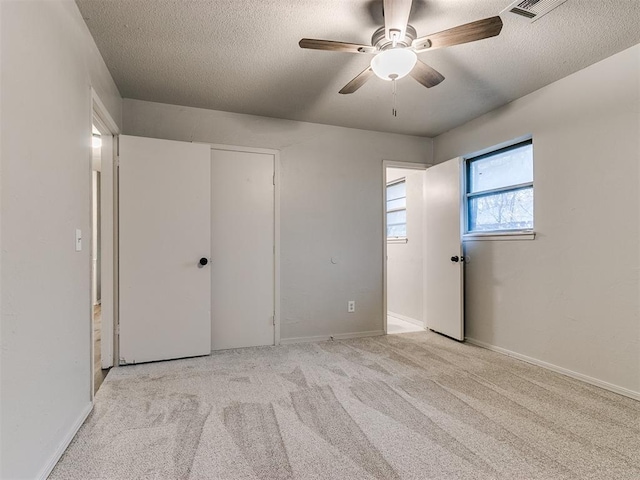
[533, 9]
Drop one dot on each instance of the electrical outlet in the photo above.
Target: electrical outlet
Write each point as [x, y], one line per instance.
[351, 306]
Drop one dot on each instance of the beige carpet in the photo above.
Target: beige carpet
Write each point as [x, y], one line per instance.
[411, 406]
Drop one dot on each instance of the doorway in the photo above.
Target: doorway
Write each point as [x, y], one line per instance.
[98, 372]
[435, 230]
[404, 247]
[102, 244]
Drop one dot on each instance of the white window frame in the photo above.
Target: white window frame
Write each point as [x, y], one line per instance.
[517, 234]
[399, 239]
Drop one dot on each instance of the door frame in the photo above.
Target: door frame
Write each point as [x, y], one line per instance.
[101, 118]
[390, 164]
[276, 224]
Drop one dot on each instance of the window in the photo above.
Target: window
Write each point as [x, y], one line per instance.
[397, 209]
[500, 190]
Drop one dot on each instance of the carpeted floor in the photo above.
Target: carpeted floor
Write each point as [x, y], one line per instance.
[411, 406]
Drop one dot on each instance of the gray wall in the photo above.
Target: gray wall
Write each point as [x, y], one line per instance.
[331, 206]
[405, 280]
[571, 296]
[49, 62]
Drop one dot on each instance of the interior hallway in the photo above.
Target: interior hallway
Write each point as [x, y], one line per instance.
[413, 406]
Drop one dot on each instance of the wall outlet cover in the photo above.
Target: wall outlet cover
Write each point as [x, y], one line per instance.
[351, 306]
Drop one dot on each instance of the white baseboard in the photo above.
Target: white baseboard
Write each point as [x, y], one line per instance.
[564, 371]
[337, 336]
[46, 470]
[406, 319]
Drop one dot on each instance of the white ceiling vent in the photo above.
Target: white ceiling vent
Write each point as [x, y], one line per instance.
[533, 9]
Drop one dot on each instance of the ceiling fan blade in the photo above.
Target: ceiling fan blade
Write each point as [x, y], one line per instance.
[469, 32]
[335, 46]
[427, 76]
[396, 17]
[357, 82]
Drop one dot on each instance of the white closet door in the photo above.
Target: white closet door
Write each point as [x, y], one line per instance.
[164, 231]
[242, 234]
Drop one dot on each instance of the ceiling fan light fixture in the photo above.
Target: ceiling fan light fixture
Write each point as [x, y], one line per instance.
[394, 64]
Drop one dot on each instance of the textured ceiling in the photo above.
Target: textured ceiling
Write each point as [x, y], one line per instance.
[243, 56]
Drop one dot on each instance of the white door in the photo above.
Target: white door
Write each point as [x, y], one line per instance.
[164, 231]
[444, 297]
[242, 257]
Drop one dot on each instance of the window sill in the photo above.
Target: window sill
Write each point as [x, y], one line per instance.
[398, 240]
[478, 237]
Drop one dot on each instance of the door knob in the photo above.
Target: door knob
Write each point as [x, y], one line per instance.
[455, 258]
[203, 261]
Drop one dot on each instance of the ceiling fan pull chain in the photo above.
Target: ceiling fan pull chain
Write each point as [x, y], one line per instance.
[394, 110]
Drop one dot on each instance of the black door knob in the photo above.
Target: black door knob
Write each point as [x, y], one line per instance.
[203, 261]
[455, 258]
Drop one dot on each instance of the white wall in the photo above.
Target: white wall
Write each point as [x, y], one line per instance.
[571, 296]
[49, 61]
[331, 206]
[405, 282]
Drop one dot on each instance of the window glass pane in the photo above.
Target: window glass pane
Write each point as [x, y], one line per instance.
[397, 230]
[504, 169]
[502, 211]
[397, 190]
[399, 203]
[397, 224]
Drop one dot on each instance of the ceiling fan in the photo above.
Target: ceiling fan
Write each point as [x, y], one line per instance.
[395, 46]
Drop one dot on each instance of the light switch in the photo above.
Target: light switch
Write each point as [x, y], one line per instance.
[78, 240]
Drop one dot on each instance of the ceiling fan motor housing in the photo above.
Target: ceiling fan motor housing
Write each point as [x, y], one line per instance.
[380, 41]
